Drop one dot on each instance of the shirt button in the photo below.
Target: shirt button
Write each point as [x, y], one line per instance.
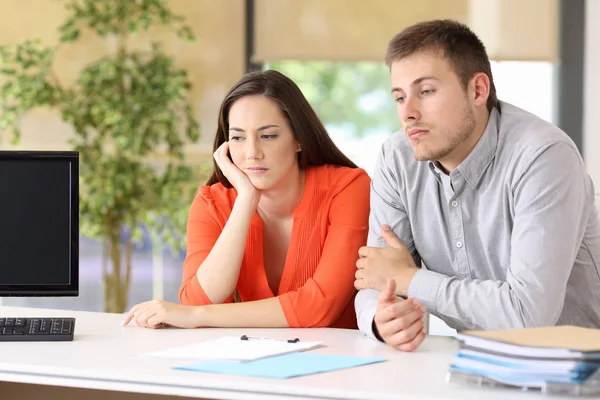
[459, 244]
[454, 203]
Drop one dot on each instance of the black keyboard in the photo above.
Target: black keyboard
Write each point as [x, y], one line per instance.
[36, 329]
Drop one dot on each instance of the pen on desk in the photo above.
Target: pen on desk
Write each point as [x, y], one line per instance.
[244, 337]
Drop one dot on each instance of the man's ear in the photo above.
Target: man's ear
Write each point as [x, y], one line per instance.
[480, 84]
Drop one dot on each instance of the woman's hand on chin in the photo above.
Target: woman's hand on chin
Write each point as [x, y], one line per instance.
[159, 314]
[238, 179]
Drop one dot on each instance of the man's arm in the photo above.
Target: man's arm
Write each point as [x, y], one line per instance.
[386, 208]
[551, 207]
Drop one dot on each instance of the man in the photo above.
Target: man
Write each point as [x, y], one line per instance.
[494, 203]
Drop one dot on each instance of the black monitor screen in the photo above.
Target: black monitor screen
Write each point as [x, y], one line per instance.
[39, 235]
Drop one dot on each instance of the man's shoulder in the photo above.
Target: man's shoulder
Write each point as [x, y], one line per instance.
[523, 132]
[397, 142]
[397, 165]
[397, 152]
[524, 137]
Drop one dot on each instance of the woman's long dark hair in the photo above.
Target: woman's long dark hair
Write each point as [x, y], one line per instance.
[317, 147]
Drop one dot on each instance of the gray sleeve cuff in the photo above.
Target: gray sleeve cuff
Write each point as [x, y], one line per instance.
[376, 332]
[365, 304]
[425, 286]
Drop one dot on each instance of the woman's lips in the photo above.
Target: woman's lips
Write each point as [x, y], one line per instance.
[257, 170]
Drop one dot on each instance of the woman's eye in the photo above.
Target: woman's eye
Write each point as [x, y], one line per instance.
[427, 92]
[269, 136]
[235, 138]
[399, 99]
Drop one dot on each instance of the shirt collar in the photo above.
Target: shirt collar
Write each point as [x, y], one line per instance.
[436, 171]
[473, 167]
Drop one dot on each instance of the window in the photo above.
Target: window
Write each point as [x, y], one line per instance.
[354, 102]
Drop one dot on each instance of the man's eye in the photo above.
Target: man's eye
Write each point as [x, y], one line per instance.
[399, 99]
[427, 92]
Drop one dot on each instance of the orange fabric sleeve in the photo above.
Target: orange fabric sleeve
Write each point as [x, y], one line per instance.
[324, 296]
[203, 230]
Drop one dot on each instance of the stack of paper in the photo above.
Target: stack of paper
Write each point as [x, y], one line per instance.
[530, 357]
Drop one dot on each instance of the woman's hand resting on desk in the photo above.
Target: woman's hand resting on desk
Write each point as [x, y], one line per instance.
[158, 314]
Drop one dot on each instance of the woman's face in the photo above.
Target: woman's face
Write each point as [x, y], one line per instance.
[261, 142]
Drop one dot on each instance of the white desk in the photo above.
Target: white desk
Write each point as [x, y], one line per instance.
[103, 357]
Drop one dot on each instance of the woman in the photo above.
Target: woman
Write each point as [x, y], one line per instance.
[280, 220]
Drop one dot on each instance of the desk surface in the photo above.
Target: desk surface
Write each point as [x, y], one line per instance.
[104, 356]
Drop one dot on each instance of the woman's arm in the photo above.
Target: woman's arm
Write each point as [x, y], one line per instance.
[218, 273]
[265, 313]
[214, 258]
[215, 250]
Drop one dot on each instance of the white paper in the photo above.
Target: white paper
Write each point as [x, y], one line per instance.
[232, 348]
[516, 350]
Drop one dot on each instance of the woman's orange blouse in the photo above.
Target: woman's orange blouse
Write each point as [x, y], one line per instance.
[329, 226]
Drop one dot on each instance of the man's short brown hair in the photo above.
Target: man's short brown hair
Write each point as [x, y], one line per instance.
[451, 39]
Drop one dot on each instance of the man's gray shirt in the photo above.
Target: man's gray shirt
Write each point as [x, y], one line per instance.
[509, 239]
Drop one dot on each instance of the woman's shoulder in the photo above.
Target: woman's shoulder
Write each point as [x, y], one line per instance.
[341, 190]
[335, 176]
[335, 180]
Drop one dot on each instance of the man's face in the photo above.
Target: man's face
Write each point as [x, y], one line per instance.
[434, 109]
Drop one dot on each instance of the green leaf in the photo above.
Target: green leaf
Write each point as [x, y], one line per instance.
[185, 32]
[69, 36]
[16, 139]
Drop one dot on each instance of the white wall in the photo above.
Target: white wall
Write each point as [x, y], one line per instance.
[591, 92]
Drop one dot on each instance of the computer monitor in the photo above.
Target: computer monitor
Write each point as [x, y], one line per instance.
[39, 223]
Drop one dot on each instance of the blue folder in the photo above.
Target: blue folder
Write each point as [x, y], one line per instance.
[284, 366]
